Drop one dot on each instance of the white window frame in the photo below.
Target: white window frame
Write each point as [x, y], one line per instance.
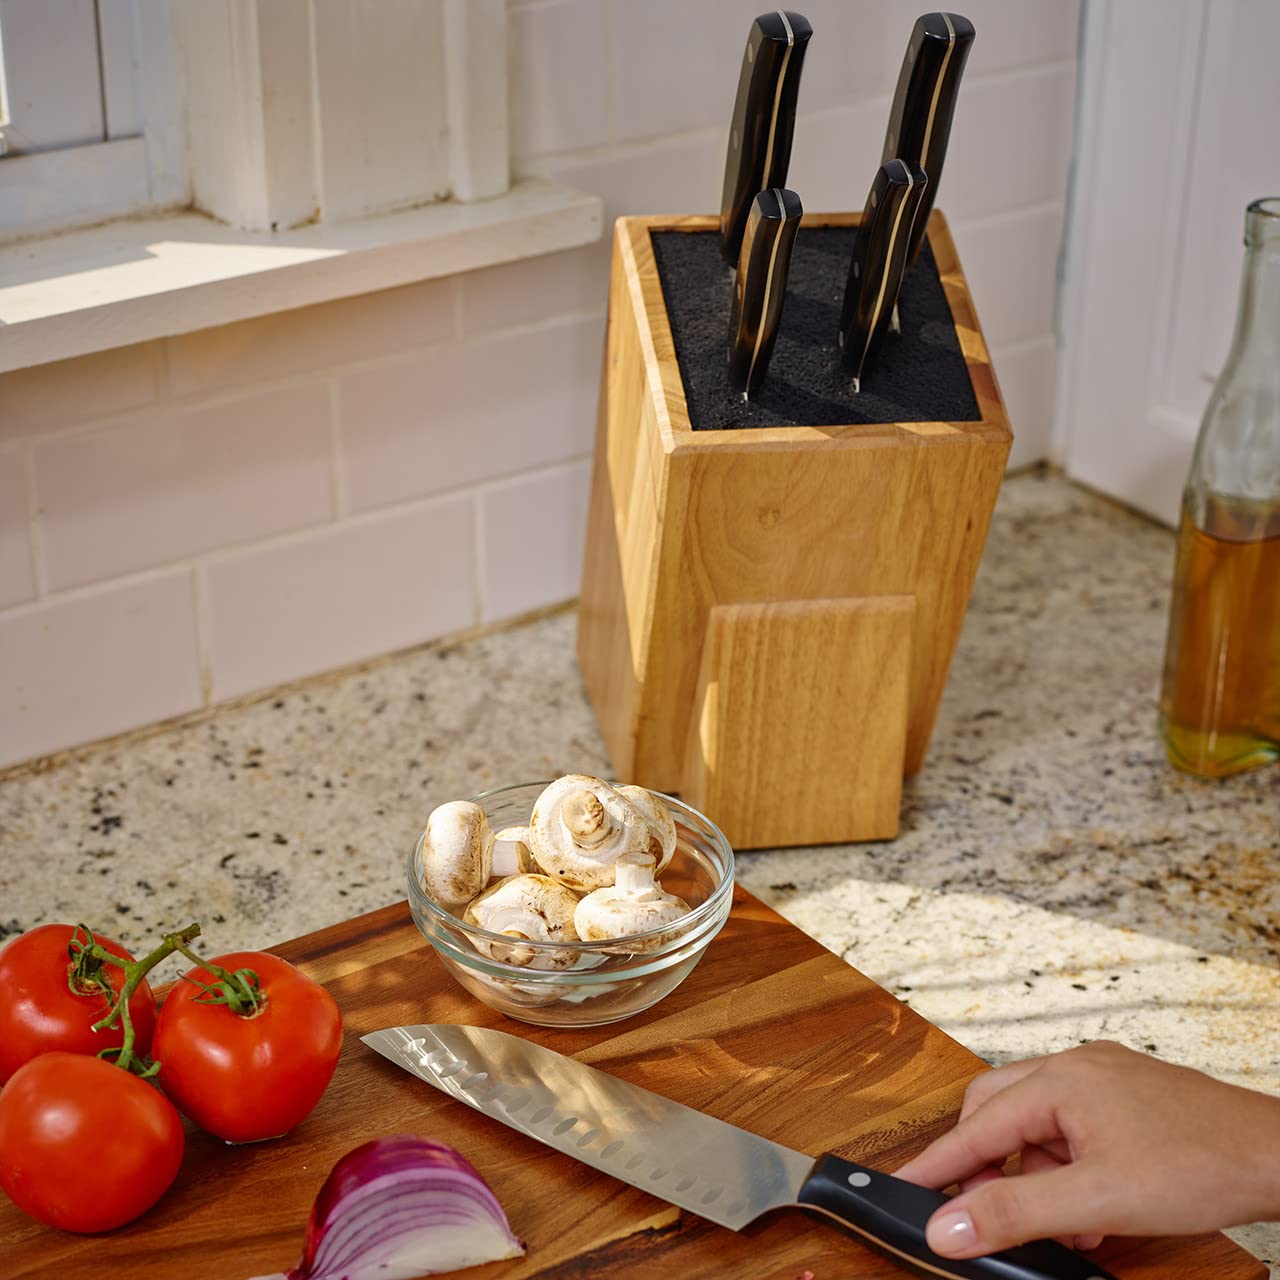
[281, 234]
[248, 114]
[50, 191]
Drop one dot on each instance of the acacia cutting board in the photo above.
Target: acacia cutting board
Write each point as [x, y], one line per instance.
[770, 1031]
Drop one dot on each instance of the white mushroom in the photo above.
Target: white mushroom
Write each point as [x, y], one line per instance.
[530, 908]
[457, 852]
[581, 826]
[634, 904]
[662, 826]
[511, 856]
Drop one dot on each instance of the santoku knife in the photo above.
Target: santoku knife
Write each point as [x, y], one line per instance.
[761, 285]
[879, 260]
[692, 1160]
[764, 118]
[924, 103]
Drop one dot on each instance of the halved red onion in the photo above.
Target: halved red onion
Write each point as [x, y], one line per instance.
[402, 1207]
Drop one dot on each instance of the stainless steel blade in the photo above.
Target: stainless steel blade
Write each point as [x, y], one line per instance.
[702, 1164]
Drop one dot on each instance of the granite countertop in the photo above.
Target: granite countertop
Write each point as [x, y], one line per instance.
[1055, 881]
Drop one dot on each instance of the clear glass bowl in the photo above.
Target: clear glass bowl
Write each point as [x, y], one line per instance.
[609, 981]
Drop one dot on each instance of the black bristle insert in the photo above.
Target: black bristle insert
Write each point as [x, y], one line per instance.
[918, 375]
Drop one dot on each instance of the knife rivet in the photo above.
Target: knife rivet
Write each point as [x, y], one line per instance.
[859, 1179]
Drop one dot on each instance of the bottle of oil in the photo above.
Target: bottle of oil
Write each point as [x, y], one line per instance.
[1220, 709]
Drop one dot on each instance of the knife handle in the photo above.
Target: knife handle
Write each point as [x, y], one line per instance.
[925, 102]
[764, 118]
[879, 260]
[761, 285]
[892, 1214]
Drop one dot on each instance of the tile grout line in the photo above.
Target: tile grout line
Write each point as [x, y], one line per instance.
[291, 537]
[481, 593]
[620, 149]
[35, 525]
[203, 612]
[196, 401]
[337, 466]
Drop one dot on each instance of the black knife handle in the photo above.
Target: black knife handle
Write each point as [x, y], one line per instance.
[761, 285]
[764, 119]
[879, 260]
[892, 1214]
[925, 102]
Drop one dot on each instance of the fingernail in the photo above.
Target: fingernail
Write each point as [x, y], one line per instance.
[951, 1233]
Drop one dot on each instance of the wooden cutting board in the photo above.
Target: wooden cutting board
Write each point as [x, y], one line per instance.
[771, 1031]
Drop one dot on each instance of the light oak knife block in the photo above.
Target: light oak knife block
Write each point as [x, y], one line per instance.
[768, 614]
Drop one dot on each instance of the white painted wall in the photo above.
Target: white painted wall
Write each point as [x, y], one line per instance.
[195, 518]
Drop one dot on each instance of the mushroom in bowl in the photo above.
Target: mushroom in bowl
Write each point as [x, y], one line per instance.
[606, 978]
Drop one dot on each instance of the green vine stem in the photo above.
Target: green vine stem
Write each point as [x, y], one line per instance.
[240, 991]
[87, 958]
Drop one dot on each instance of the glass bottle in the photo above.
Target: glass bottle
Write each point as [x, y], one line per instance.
[1220, 708]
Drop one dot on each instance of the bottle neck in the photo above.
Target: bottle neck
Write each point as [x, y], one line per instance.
[1258, 322]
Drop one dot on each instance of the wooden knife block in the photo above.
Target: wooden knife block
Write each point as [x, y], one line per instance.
[768, 614]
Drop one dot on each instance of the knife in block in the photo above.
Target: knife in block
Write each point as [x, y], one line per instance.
[764, 117]
[924, 104]
[879, 260]
[761, 285]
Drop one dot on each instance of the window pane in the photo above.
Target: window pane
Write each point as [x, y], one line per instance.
[52, 78]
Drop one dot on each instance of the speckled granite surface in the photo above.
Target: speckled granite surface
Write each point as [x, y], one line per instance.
[1054, 881]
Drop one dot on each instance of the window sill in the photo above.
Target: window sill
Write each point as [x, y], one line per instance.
[131, 281]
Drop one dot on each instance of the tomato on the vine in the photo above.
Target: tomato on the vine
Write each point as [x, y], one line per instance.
[252, 1074]
[85, 1145]
[39, 1011]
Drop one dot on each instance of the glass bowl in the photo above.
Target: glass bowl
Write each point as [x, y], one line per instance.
[610, 980]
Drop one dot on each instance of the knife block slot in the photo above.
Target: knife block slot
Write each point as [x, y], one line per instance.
[768, 612]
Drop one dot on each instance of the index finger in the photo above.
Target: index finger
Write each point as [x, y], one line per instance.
[1019, 1116]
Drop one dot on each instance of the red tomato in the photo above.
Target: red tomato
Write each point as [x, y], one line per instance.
[84, 1145]
[243, 1078]
[39, 1012]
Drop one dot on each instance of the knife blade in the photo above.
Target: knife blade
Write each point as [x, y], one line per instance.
[764, 118]
[761, 285]
[924, 104]
[692, 1160]
[878, 261]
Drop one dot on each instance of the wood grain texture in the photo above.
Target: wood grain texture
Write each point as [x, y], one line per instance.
[771, 1032]
[682, 521]
[782, 758]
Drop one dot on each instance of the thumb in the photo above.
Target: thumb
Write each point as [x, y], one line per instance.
[1010, 1211]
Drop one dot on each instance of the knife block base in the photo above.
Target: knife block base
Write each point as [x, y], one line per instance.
[828, 768]
[768, 613]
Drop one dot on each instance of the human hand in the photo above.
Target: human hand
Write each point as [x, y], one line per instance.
[1112, 1142]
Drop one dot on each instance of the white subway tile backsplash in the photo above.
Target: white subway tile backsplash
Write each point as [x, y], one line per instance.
[534, 289]
[460, 415]
[97, 663]
[846, 62]
[557, 84]
[836, 156]
[1026, 375]
[675, 65]
[311, 338]
[699, 49]
[190, 448]
[17, 582]
[534, 529]
[66, 392]
[1010, 143]
[1011, 264]
[683, 175]
[337, 595]
[173, 484]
